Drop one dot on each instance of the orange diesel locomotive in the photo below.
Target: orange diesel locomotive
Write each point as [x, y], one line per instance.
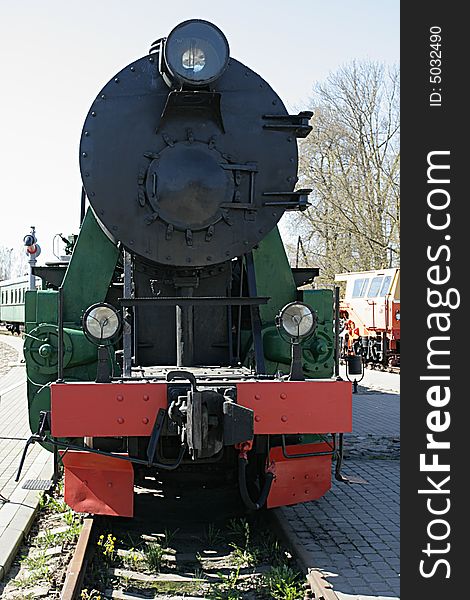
[370, 313]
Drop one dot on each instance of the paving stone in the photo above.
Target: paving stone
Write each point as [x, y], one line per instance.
[363, 534]
[16, 515]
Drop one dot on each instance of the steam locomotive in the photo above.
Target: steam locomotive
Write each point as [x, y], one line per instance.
[177, 341]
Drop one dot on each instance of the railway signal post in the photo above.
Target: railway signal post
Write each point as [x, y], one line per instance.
[33, 250]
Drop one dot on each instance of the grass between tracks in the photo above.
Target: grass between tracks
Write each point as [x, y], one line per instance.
[231, 560]
[42, 560]
[239, 559]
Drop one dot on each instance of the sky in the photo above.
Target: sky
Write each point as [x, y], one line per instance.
[56, 55]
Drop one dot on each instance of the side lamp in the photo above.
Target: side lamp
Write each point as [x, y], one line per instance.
[296, 322]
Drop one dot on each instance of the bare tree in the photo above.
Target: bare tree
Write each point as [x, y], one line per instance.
[351, 160]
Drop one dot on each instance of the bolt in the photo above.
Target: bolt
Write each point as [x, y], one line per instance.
[257, 397]
[145, 420]
[257, 418]
[119, 398]
[116, 80]
[87, 133]
[110, 484]
[284, 418]
[132, 69]
[93, 113]
[84, 154]
[146, 398]
[120, 420]
[283, 396]
[103, 96]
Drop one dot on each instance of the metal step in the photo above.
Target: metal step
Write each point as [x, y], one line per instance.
[38, 484]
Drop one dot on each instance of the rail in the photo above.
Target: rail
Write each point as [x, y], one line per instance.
[77, 566]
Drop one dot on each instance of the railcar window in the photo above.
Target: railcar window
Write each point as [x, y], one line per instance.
[360, 286]
[385, 286]
[375, 286]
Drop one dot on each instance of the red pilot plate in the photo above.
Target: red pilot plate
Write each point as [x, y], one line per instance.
[292, 407]
[105, 409]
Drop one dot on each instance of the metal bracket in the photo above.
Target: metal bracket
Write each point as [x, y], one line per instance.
[297, 200]
[306, 454]
[238, 423]
[297, 124]
[156, 432]
[339, 463]
[39, 436]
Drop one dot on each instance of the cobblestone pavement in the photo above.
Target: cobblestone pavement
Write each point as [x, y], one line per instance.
[17, 505]
[376, 426]
[377, 380]
[7, 356]
[352, 533]
[11, 350]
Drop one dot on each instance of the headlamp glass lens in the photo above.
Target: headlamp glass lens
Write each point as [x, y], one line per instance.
[196, 52]
[102, 322]
[193, 59]
[297, 320]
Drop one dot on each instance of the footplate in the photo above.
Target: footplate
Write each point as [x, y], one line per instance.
[38, 484]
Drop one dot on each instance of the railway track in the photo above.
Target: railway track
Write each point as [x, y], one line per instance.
[187, 554]
[385, 369]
